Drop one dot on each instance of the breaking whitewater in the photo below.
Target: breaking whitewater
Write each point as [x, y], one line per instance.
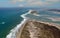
[13, 32]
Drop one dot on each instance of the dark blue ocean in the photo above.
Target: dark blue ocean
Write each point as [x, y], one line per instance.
[9, 18]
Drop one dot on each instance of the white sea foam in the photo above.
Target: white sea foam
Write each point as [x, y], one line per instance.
[12, 33]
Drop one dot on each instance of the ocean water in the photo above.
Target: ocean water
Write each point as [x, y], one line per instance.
[9, 18]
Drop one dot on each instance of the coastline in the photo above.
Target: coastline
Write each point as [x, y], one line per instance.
[16, 32]
[53, 24]
[13, 32]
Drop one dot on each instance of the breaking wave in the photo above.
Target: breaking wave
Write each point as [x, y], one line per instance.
[13, 32]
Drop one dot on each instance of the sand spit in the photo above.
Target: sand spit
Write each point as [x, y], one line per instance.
[35, 29]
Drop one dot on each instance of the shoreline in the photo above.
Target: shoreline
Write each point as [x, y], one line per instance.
[53, 24]
[19, 28]
[15, 31]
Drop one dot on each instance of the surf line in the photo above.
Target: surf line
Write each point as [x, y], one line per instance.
[13, 32]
